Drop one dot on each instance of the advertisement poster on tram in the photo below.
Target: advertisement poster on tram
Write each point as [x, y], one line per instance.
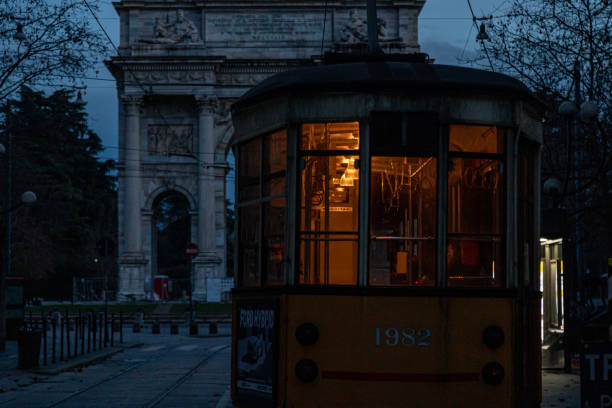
[256, 344]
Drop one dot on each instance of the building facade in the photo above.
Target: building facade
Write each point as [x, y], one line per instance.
[181, 65]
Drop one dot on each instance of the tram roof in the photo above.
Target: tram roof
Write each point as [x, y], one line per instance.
[388, 76]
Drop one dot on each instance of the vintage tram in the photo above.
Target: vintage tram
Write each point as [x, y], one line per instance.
[387, 225]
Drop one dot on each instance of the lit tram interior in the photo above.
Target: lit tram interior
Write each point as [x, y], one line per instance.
[387, 239]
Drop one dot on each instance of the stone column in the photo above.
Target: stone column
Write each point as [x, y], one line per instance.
[132, 260]
[206, 264]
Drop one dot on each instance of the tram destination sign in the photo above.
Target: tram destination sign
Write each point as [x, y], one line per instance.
[596, 375]
[256, 347]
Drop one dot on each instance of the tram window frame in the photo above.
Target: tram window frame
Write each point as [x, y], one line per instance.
[464, 246]
[392, 137]
[307, 240]
[270, 186]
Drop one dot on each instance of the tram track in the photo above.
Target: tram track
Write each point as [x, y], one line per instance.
[157, 399]
[162, 395]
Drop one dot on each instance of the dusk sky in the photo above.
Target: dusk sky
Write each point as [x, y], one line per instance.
[446, 32]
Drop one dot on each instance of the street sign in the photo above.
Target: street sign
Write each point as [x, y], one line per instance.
[192, 250]
[596, 375]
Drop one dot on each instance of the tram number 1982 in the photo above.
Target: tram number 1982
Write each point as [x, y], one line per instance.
[406, 337]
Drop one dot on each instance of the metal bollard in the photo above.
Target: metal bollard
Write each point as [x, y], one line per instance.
[155, 329]
[61, 325]
[112, 336]
[53, 336]
[212, 328]
[68, 336]
[44, 338]
[100, 334]
[105, 329]
[121, 327]
[94, 330]
[88, 334]
[174, 329]
[82, 329]
[193, 329]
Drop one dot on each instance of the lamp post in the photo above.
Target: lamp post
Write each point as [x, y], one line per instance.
[27, 197]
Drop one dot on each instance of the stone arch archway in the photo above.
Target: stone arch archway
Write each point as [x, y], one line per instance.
[170, 234]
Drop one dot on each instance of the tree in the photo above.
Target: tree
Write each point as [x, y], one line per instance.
[545, 43]
[55, 154]
[44, 42]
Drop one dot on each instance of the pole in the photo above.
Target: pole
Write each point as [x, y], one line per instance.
[577, 173]
[4, 274]
[373, 47]
[190, 291]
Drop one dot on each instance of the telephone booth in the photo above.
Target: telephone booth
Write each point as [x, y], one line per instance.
[387, 238]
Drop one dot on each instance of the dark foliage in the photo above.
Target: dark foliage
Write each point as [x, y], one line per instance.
[54, 154]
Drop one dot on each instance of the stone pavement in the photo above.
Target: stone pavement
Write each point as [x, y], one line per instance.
[171, 371]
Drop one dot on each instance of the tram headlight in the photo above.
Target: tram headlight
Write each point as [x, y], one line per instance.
[493, 337]
[493, 373]
[306, 370]
[307, 334]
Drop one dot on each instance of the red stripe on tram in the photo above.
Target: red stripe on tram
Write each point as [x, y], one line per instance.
[415, 377]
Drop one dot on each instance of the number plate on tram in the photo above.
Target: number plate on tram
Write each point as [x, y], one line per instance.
[406, 337]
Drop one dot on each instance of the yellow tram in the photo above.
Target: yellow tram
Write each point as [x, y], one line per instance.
[387, 225]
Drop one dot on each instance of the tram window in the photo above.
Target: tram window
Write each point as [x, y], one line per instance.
[274, 241]
[250, 167]
[329, 204]
[261, 210]
[475, 139]
[403, 221]
[248, 259]
[274, 163]
[330, 136]
[475, 245]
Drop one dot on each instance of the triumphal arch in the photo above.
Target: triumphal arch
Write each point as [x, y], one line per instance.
[180, 65]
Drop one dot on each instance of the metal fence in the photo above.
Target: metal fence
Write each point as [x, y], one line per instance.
[93, 289]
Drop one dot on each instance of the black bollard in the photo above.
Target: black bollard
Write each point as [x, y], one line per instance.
[61, 324]
[105, 329]
[121, 327]
[44, 338]
[77, 323]
[174, 329]
[68, 336]
[53, 337]
[82, 331]
[100, 333]
[94, 330]
[88, 334]
[112, 325]
[193, 329]
[155, 329]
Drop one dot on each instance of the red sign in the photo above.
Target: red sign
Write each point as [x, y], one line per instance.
[192, 250]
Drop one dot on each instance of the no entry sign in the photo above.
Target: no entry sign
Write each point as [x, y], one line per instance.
[192, 250]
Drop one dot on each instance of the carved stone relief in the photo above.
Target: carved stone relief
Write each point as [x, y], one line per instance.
[170, 139]
[355, 30]
[178, 31]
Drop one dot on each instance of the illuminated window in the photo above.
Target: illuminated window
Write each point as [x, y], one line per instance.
[261, 210]
[475, 245]
[403, 180]
[403, 221]
[329, 198]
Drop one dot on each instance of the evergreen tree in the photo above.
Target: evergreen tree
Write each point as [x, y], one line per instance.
[55, 154]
